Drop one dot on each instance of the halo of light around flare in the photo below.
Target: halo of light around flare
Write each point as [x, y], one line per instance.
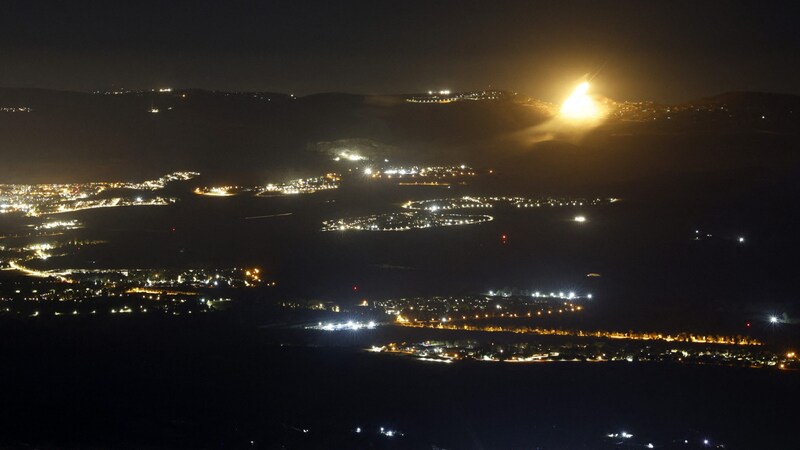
[580, 105]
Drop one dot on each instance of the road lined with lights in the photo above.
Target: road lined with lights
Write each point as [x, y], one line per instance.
[626, 335]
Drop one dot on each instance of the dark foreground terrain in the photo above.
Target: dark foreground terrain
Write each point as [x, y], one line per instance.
[221, 382]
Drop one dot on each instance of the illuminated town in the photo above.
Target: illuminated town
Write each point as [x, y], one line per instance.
[431, 172]
[340, 326]
[445, 96]
[292, 187]
[428, 213]
[15, 109]
[436, 310]
[58, 225]
[399, 225]
[348, 156]
[302, 185]
[222, 191]
[72, 292]
[45, 199]
[469, 202]
[13, 257]
[411, 175]
[403, 221]
[593, 351]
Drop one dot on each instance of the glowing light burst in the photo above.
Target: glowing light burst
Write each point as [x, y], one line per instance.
[579, 105]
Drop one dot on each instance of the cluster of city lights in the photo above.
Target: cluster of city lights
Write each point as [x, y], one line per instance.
[469, 308]
[429, 213]
[623, 437]
[348, 155]
[15, 109]
[162, 280]
[432, 172]
[591, 350]
[568, 295]
[219, 191]
[290, 187]
[43, 199]
[350, 325]
[58, 225]
[302, 185]
[471, 202]
[446, 96]
[122, 291]
[403, 221]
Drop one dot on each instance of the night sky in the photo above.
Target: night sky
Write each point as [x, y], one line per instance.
[665, 51]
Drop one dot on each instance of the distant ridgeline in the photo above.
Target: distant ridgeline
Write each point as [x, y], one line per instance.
[119, 133]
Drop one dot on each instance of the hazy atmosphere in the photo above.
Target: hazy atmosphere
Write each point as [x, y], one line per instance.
[669, 52]
[399, 225]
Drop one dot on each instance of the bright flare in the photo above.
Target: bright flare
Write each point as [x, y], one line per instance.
[579, 105]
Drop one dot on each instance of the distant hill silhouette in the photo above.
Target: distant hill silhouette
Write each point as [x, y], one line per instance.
[230, 136]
